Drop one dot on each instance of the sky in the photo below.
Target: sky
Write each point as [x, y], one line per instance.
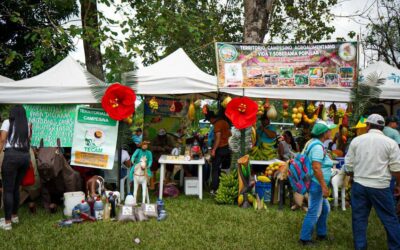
[342, 23]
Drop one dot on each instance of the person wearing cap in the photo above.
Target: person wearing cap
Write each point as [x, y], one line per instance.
[371, 160]
[138, 154]
[318, 205]
[390, 129]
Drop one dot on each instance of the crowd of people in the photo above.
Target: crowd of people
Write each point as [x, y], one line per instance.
[372, 160]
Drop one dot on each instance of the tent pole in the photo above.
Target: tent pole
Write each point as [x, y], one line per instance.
[242, 137]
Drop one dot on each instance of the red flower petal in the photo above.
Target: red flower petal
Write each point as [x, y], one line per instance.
[240, 119]
[119, 101]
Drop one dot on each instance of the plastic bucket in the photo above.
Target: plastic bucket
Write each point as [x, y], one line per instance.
[71, 199]
[263, 189]
[341, 162]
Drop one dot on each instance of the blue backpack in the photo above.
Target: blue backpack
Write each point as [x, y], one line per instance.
[300, 170]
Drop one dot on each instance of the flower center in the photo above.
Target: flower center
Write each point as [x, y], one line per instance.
[242, 108]
[114, 103]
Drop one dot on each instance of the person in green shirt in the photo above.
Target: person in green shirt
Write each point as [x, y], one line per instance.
[138, 154]
[390, 129]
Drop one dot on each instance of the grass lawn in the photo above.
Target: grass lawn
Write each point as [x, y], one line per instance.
[191, 224]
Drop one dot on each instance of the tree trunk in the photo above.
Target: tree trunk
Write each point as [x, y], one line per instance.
[90, 25]
[257, 15]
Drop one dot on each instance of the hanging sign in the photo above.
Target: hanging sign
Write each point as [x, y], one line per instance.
[95, 139]
[331, 65]
[51, 122]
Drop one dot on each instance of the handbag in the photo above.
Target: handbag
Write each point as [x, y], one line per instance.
[29, 178]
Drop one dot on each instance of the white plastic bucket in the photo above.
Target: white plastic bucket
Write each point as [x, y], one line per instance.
[71, 199]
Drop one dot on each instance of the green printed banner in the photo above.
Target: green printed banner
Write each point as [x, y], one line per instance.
[50, 122]
[331, 65]
[94, 140]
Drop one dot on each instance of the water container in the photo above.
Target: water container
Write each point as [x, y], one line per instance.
[263, 189]
[98, 209]
[71, 199]
[129, 201]
[84, 207]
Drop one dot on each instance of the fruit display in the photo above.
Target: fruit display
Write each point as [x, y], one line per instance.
[276, 166]
[228, 190]
[285, 107]
[267, 105]
[191, 111]
[259, 204]
[226, 101]
[264, 152]
[271, 113]
[128, 120]
[263, 178]
[260, 108]
[153, 104]
[197, 103]
[311, 108]
[297, 113]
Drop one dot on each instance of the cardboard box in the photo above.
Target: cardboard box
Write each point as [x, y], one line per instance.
[191, 186]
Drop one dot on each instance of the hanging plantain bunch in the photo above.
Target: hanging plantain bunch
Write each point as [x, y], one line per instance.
[365, 95]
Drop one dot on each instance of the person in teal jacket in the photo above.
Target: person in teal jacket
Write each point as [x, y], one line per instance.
[138, 154]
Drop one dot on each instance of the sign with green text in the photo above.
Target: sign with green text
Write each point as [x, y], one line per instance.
[95, 139]
[321, 65]
[51, 122]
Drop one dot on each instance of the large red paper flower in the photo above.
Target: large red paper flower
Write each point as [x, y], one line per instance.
[119, 101]
[242, 111]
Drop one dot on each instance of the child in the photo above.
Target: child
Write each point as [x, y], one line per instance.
[138, 154]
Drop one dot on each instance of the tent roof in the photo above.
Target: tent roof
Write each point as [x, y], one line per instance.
[175, 74]
[66, 82]
[5, 79]
[391, 87]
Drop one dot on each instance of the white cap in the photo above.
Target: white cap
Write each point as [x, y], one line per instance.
[376, 119]
[162, 131]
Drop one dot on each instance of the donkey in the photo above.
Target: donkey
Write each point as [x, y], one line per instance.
[140, 177]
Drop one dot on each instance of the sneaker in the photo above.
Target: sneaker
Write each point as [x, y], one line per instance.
[325, 238]
[306, 242]
[15, 220]
[4, 225]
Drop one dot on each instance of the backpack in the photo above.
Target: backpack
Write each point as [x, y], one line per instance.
[300, 170]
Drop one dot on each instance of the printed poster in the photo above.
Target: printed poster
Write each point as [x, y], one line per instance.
[323, 65]
[51, 122]
[95, 139]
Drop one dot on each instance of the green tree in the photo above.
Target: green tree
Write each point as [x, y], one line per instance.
[287, 20]
[383, 36]
[32, 38]
[161, 27]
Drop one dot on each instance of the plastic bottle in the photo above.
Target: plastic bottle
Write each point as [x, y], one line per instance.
[107, 210]
[84, 207]
[98, 208]
[129, 200]
[113, 211]
[160, 205]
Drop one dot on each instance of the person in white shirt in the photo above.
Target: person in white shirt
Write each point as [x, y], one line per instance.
[372, 159]
[14, 138]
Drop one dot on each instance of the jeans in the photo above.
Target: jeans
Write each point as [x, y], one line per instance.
[317, 215]
[363, 198]
[15, 165]
[222, 159]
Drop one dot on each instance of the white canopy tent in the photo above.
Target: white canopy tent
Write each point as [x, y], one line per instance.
[66, 82]
[5, 79]
[391, 87]
[175, 74]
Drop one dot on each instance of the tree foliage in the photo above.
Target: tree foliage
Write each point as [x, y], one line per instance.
[32, 38]
[161, 27]
[288, 20]
[383, 36]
